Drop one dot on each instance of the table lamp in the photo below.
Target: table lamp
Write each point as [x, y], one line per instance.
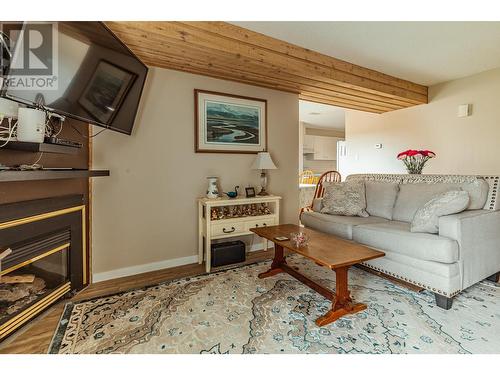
[263, 161]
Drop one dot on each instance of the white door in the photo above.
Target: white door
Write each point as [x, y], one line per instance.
[341, 156]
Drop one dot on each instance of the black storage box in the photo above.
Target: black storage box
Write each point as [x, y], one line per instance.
[225, 253]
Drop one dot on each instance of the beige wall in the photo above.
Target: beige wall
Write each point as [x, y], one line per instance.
[145, 212]
[463, 145]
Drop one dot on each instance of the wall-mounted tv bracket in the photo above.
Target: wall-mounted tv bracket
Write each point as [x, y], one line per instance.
[5, 52]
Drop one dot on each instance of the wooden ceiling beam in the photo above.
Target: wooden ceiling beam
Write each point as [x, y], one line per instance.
[177, 64]
[226, 51]
[338, 104]
[254, 38]
[223, 70]
[171, 49]
[298, 67]
[192, 36]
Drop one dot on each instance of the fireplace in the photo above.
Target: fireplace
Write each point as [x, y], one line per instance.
[43, 242]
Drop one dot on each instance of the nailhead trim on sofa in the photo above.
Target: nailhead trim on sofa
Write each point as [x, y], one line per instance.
[492, 194]
[412, 282]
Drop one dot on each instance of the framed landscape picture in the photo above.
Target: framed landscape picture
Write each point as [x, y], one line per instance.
[229, 123]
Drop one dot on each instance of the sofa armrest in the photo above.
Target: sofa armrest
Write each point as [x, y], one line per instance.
[478, 235]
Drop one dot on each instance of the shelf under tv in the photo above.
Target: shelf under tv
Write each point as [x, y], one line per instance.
[50, 174]
[41, 147]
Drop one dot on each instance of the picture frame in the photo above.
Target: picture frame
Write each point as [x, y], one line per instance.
[106, 91]
[227, 123]
[250, 192]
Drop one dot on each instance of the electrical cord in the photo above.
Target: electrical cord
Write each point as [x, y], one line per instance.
[8, 132]
[60, 130]
[52, 126]
[34, 166]
[86, 136]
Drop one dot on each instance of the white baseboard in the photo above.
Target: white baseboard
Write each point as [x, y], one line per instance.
[155, 266]
[142, 268]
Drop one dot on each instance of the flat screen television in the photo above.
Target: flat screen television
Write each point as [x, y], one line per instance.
[95, 77]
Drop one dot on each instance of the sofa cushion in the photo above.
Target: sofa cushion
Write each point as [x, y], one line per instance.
[380, 198]
[335, 224]
[426, 219]
[345, 198]
[395, 236]
[478, 193]
[413, 196]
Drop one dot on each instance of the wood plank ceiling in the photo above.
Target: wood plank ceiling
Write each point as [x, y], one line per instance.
[226, 51]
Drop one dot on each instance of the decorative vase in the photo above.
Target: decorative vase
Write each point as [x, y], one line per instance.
[415, 170]
[212, 190]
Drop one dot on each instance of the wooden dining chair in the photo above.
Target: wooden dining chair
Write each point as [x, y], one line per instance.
[306, 177]
[330, 176]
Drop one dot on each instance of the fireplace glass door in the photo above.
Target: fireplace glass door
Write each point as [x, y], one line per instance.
[27, 286]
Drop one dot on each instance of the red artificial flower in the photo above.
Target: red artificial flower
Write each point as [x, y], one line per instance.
[408, 153]
[414, 160]
[427, 153]
[402, 155]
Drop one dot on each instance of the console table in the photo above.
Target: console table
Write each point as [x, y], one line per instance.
[209, 229]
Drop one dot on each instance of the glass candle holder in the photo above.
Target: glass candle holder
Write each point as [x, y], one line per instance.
[299, 239]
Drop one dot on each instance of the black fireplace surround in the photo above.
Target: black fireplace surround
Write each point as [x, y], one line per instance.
[47, 238]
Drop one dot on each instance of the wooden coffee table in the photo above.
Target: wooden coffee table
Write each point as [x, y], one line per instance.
[326, 250]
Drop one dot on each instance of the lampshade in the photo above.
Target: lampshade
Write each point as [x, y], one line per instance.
[263, 161]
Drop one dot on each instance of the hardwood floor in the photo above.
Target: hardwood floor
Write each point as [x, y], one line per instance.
[35, 337]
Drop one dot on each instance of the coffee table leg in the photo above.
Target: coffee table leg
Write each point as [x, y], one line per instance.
[279, 259]
[342, 304]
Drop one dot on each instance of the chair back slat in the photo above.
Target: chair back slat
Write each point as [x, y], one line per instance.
[330, 176]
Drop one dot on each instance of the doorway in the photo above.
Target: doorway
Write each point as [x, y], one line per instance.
[321, 137]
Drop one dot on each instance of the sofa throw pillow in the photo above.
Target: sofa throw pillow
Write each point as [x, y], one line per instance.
[427, 217]
[345, 198]
[380, 198]
[413, 196]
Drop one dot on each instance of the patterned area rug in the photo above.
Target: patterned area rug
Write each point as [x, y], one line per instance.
[235, 312]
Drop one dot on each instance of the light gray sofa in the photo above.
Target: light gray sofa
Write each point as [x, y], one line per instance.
[465, 251]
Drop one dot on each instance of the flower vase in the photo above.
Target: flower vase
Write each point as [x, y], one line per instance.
[414, 160]
[414, 170]
[212, 190]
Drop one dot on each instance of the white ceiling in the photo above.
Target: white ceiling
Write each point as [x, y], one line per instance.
[322, 115]
[422, 52]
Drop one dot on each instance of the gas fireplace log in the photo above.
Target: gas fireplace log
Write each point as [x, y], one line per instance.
[3, 254]
[15, 292]
[18, 279]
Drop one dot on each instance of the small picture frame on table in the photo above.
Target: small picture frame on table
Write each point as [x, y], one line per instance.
[250, 192]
